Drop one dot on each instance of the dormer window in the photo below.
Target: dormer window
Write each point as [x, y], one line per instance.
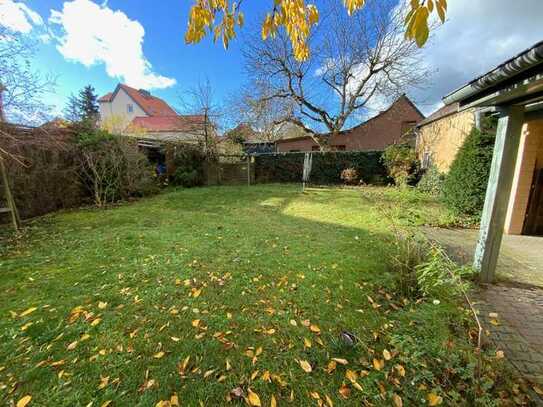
[130, 108]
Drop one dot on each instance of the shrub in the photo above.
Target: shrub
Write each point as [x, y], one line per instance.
[431, 181]
[350, 176]
[465, 186]
[187, 166]
[112, 168]
[401, 163]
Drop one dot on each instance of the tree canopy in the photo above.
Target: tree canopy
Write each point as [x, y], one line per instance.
[220, 18]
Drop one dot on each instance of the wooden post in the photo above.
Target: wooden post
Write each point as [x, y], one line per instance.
[498, 191]
[15, 219]
[248, 170]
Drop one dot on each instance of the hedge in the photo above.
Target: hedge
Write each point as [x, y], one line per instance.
[326, 168]
[465, 186]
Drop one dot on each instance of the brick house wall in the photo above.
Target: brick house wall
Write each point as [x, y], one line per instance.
[375, 134]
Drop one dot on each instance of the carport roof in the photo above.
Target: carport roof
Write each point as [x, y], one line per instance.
[517, 77]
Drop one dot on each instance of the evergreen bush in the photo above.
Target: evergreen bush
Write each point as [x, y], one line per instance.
[431, 181]
[465, 186]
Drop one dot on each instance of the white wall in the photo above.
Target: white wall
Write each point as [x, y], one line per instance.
[118, 108]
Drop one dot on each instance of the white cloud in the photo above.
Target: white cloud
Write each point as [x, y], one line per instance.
[477, 36]
[93, 34]
[18, 16]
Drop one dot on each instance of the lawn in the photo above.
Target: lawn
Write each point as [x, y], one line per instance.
[195, 293]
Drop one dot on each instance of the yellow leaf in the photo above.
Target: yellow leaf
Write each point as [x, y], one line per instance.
[228, 365]
[102, 305]
[315, 328]
[253, 398]
[340, 361]
[398, 402]
[293, 322]
[158, 355]
[500, 354]
[273, 402]
[387, 355]
[351, 375]
[331, 366]
[378, 364]
[104, 381]
[400, 369]
[304, 364]
[84, 337]
[28, 311]
[307, 343]
[24, 401]
[106, 403]
[195, 323]
[95, 322]
[72, 345]
[197, 293]
[329, 400]
[434, 399]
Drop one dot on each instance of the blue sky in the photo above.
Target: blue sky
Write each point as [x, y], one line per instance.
[141, 42]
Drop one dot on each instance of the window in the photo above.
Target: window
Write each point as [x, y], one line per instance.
[130, 108]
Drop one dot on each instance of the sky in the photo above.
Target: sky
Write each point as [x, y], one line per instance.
[141, 43]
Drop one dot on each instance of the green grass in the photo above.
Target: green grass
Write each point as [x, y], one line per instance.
[260, 257]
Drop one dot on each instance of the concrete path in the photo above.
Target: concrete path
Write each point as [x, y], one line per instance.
[511, 310]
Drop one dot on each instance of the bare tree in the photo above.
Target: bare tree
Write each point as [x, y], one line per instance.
[23, 87]
[200, 103]
[356, 62]
[254, 106]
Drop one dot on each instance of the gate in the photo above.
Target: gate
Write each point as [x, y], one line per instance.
[230, 170]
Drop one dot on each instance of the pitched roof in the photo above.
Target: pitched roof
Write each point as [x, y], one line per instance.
[192, 123]
[106, 97]
[440, 113]
[151, 105]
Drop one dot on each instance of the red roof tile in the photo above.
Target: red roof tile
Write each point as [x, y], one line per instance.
[168, 123]
[106, 97]
[151, 105]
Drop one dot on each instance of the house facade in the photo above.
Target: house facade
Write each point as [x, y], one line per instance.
[137, 113]
[379, 132]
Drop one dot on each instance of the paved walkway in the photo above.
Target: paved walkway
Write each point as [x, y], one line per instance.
[511, 310]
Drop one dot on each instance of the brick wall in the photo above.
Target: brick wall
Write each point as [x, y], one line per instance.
[376, 134]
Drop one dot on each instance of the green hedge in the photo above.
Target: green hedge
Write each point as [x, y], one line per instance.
[326, 169]
[465, 186]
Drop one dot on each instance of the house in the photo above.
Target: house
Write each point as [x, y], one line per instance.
[135, 112]
[440, 136]
[513, 91]
[387, 128]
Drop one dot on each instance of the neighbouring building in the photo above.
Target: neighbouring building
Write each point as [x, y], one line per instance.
[440, 136]
[137, 113]
[387, 128]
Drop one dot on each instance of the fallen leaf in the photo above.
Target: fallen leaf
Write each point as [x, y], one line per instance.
[24, 401]
[329, 400]
[398, 402]
[28, 311]
[253, 398]
[378, 364]
[340, 361]
[273, 402]
[106, 403]
[307, 343]
[95, 322]
[158, 355]
[236, 393]
[315, 329]
[72, 345]
[387, 355]
[434, 399]
[196, 323]
[102, 305]
[174, 400]
[304, 364]
[104, 381]
[351, 375]
[500, 354]
[344, 391]
[293, 322]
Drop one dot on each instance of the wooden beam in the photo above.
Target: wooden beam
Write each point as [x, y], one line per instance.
[498, 191]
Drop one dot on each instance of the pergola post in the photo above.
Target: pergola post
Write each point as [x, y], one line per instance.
[498, 191]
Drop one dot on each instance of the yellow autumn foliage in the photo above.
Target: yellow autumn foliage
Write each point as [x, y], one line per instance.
[297, 17]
